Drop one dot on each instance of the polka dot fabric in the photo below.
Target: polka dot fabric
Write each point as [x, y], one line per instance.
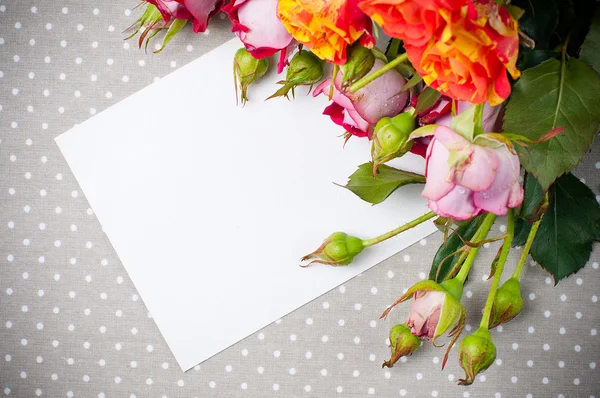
[73, 325]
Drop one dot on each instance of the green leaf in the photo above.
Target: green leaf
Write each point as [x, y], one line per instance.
[464, 123]
[175, 28]
[590, 50]
[376, 190]
[413, 81]
[564, 240]
[453, 243]
[522, 228]
[532, 199]
[427, 99]
[551, 95]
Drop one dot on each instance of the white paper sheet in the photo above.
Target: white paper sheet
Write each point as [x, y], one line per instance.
[210, 205]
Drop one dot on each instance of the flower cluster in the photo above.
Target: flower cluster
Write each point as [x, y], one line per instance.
[439, 91]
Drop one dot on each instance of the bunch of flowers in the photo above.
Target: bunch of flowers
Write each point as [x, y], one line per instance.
[501, 99]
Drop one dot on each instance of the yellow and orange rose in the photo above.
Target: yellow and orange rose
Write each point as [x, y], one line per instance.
[326, 27]
[415, 22]
[462, 48]
[470, 59]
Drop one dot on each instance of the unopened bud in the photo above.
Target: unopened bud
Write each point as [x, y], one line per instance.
[305, 69]
[476, 353]
[402, 343]
[390, 138]
[247, 70]
[338, 249]
[359, 62]
[508, 303]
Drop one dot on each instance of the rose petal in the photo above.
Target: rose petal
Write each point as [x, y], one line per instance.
[457, 204]
[437, 184]
[505, 192]
[201, 11]
[479, 171]
[264, 29]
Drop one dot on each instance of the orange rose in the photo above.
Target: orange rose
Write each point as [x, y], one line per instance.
[412, 21]
[470, 58]
[326, 27]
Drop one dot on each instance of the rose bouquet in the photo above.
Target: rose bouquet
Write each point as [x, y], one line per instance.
[501, 98]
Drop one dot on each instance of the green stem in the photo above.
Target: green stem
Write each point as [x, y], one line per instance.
[336, 70]
[510, 233]
[525, 252]
[374, 75]
[478, 116]
[463, 255]
[400, 229]
[482, 234]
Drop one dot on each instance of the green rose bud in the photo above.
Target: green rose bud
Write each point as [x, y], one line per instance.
[476, 353]
[247, 70]
[359, 62]
[390, 138]
[402, 343]
[508, 303]
[305, 69]
[338, 249]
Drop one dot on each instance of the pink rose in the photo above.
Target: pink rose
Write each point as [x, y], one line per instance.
[425, 311]
[201, 11]
[464, 178]
[359, 112]
[257, 25]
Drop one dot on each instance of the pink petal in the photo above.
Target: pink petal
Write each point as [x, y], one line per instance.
[201, 11]
[381, 97]
[425, 312]
[505, 191]
[479, 171]
[264, 29]
[437, 184]
[457, 204]
[450, 139]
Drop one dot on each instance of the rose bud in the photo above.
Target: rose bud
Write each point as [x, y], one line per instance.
[305, 69]
[257, 25]
[359, 63]
[338, 249]
[465, 178]
[508, 303]
[359, 111]
[435, 310]
[402, 343]
[247, 70]
[476, 353]
[390, 138]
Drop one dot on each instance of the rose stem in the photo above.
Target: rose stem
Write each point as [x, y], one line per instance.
[510, 233]
[488, 221]
[464, 254]
[400, 229]
[525, 252]
[374, 75]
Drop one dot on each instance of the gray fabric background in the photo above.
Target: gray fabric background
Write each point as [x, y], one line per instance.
[73, 325]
